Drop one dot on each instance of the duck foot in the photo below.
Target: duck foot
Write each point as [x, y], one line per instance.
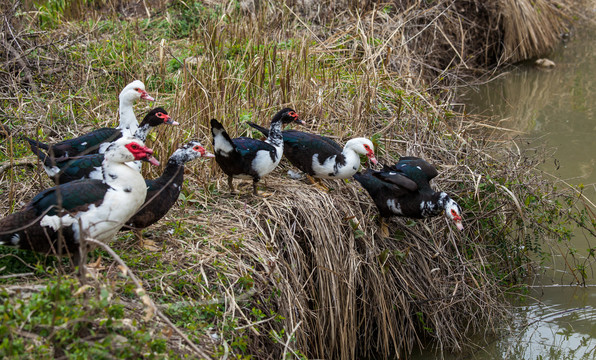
[317, 183]
[255, 191]
[145, 243]
[383, 228]
[264, 194]
[233, 190]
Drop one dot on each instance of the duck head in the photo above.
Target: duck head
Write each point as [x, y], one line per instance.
[363, 146]
[134, 91]
[190, 151]
[288, 115]
[157, 117]
[129, 149]
[453, 212]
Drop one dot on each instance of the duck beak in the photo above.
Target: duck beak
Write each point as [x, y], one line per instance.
[204, 153]
[300, 122]
[151, 160]
[149, 157]
[146, 96]
[459, 225]
[372, 159]
[169, 121]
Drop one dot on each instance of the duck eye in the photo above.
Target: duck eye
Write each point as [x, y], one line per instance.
[137, 89]
[134, 146]
[196, 147]
[453, 212]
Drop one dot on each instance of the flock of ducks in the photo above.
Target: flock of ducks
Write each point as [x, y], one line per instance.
[99, 188]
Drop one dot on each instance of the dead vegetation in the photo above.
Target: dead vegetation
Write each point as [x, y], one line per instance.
[312, 262]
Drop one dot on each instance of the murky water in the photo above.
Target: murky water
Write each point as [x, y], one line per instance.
[557, 108]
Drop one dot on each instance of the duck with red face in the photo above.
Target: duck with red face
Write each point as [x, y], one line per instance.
[404, 190]
[321, 157]
[85, 208]
[163, 192]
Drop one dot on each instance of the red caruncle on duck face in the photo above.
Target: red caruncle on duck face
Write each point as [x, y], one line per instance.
[163, 116]
[141, 153]
[370, 153]
[297, 120]
[199, 149]
[144, 94]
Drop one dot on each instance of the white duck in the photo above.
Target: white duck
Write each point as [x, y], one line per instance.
[83, 208]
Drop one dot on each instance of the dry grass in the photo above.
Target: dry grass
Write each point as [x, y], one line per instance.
[311, 257]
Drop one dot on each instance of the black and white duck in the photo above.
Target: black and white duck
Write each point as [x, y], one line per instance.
[321, 157]
[404, 190]
[66, 169]
[84, 208]
[247, 158]
[91, 142]
[163, 192]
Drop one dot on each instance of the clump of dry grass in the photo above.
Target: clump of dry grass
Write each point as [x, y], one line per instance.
[312, 261]
[443, 41]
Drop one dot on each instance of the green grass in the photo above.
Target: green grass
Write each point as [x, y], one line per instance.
[239, 291]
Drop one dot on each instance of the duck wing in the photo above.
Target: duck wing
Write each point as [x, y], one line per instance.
[378, 188]
[301, 147]
[396, 178]
[73, 197]
[78, 168]
[85, 144]
[247, 146]
[416, 168]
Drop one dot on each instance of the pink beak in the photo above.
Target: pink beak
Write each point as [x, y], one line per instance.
[205, 153]
[459, 225]
[149, 158]
[146, 96]
[373, 159]
[152, 160]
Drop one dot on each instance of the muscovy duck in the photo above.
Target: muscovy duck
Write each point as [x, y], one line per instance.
[84, 208]
[91, 143]
[404, 190]
[163, 192]
[321, 157]
[247, 158]
[72, 168]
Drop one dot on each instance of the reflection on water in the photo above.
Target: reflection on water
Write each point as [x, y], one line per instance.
[555, 108]
[562, 326]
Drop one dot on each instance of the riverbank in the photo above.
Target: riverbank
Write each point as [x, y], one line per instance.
[269, 278]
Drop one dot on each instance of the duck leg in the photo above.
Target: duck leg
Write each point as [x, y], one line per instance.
[317, 182]
[383, 227]
[231, 186]
[255, 191]
[138, 233]
[145, 243]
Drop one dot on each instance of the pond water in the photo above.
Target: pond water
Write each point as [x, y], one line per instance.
[555, 108]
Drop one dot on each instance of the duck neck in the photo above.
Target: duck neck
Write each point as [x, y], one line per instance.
[120, 176]
[275, 137]
[128, 120]
[433, 203]
[352, 159]
[174, 169]
[142, 131]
